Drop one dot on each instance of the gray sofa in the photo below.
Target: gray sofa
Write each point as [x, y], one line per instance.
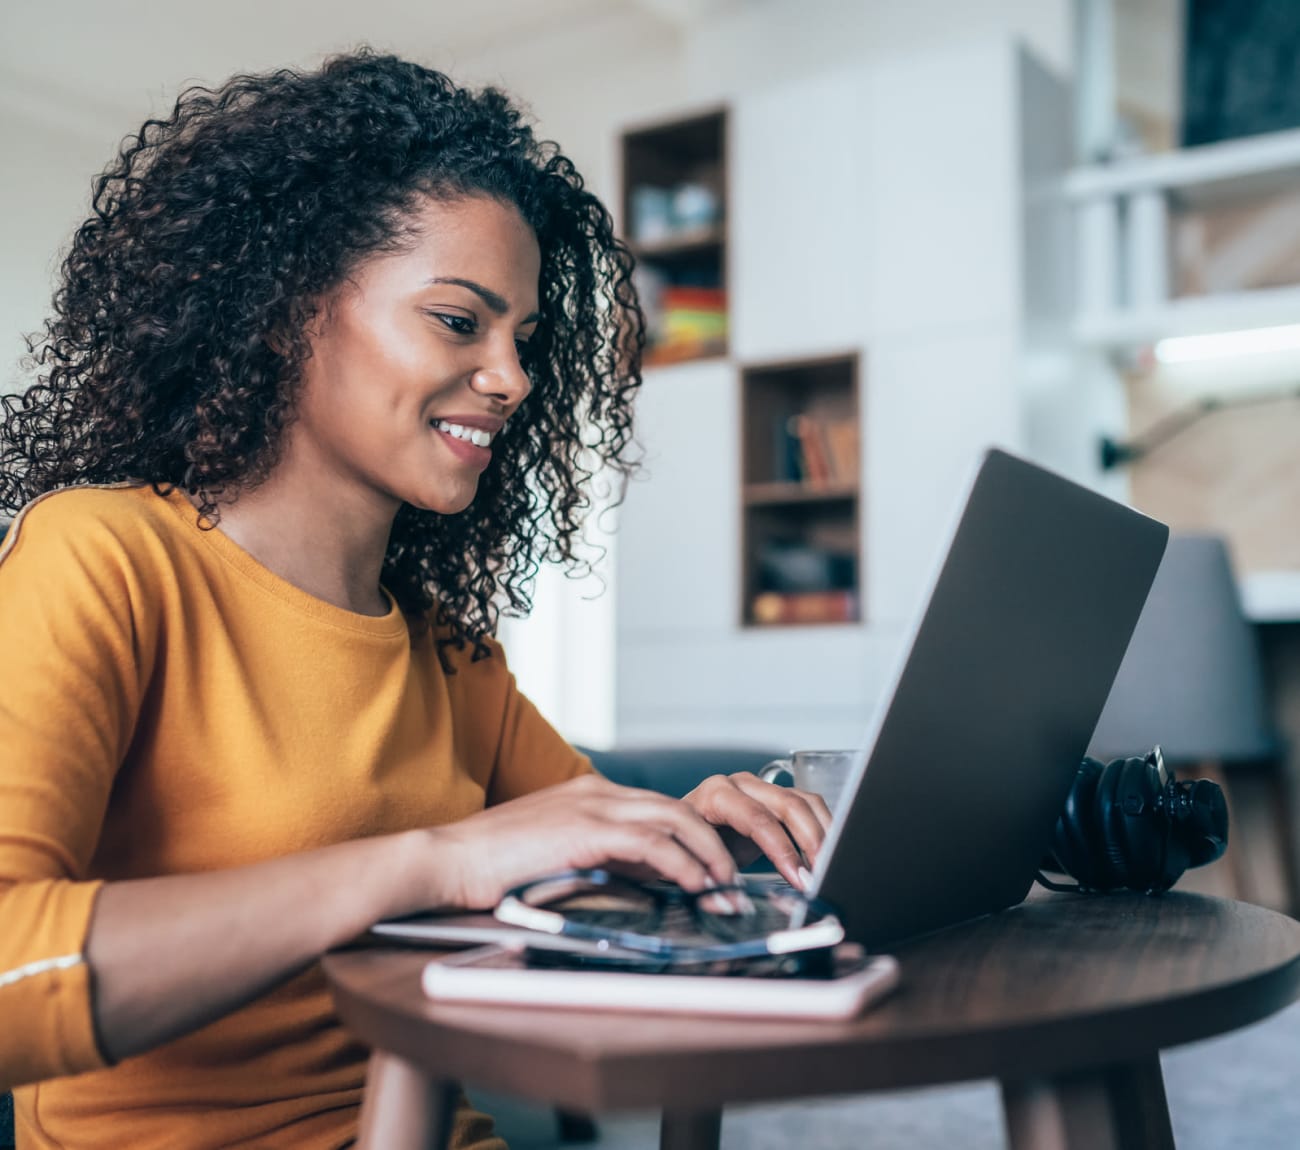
[675, 770]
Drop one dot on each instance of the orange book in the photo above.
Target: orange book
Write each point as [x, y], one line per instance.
[805, 607]
[843, 449]
[817, 468]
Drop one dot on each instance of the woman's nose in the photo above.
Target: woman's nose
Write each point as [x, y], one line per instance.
[503, 378]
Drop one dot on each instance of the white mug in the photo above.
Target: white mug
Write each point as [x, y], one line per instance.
[823, 772]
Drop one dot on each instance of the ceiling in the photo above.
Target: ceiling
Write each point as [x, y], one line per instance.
[121, 52]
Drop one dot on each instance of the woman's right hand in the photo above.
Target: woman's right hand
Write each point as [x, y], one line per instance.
[173, 953]
[586, 822]
[209, 942]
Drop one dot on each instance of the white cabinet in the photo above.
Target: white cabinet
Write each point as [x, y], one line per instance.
[786, 687]
[798, 192]
[880, 212]
[678, 545]
[933, 406]
[940, 135]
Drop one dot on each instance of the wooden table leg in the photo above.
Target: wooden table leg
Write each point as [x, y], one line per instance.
[690, 1129]
[403, 1108]
[1117, 1107]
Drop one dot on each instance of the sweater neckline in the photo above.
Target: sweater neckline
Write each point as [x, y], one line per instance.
[385, 626]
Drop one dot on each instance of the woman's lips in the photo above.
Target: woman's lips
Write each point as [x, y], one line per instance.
[464, 450]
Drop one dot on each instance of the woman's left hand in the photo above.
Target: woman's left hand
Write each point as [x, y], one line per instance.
[754, 817]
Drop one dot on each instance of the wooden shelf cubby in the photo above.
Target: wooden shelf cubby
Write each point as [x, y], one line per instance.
[675, 222]
[800, 492]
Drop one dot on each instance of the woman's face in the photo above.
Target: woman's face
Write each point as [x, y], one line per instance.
[415, 362]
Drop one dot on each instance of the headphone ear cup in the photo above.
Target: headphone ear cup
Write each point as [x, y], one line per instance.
[1177, 858]
[1201, 826]
[1143, 829]
[1109, 821]
[1130, 823]
[1072, 841]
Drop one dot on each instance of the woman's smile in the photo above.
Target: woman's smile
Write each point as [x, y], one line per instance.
[469, 438]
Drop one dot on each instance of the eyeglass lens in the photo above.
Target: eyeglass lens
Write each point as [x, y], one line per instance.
[608, 905]
[616, 905]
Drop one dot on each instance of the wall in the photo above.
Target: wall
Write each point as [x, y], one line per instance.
[57, 136]
[1232, 472]
[53, 144]
[585, 78]
[763, 44]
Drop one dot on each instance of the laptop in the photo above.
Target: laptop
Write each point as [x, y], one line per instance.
[955, 793]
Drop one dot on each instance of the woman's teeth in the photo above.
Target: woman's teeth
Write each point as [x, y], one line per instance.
[470, 434]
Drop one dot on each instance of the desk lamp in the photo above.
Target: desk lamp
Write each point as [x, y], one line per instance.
[1191, 679]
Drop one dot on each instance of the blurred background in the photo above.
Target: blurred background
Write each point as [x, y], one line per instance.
[874, 238]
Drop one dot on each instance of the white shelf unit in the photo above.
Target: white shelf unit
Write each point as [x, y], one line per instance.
[1122, 261]
[869, 214]
[1271, 596]
[1122, 211]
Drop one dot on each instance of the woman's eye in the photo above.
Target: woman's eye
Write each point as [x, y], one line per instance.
[460, 324]
[524, 350]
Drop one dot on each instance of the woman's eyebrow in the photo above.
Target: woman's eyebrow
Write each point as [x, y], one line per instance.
[497, 304]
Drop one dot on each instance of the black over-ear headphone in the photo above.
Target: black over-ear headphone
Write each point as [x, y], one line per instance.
[1130, 823]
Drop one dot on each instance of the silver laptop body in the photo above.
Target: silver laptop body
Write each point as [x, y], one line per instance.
[967, 766]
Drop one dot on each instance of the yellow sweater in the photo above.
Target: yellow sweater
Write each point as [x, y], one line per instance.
[168, 706]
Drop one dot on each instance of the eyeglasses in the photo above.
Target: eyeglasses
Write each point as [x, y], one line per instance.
[633, 920]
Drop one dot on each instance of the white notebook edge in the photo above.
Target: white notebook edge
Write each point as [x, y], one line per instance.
[456, 978]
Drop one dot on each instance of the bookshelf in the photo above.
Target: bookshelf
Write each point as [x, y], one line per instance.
[675, 222]
[800, 492]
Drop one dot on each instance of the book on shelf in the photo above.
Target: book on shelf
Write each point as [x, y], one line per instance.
[817, 450]
[804, 607]
[696, 312]
[686, 321]
[692, 325]
[815, 459]
[682, 297]
[842, 447]
[661, 354]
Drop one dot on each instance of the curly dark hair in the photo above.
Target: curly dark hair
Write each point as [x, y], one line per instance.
[176, 345]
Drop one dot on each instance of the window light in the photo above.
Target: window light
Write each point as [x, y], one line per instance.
[1227, 344]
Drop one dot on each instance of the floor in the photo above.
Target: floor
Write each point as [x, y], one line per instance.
[1237, 1092]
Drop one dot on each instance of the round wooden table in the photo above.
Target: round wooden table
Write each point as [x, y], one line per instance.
[1066, 999]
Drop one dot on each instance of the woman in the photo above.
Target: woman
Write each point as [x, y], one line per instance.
[328, 371]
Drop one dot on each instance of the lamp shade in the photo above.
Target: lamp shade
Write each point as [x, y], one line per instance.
[1191, 679]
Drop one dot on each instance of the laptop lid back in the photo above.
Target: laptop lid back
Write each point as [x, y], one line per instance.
[970, 762]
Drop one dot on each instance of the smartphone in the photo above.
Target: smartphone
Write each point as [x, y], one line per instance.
[498, 974]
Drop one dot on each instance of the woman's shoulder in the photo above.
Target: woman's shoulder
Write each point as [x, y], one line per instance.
[90, 518]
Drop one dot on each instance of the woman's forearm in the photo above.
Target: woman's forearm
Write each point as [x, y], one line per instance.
[168, 955]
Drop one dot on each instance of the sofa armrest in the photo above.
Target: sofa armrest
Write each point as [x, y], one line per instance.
[675, 770]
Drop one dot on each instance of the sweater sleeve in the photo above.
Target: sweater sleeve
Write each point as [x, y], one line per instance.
[525, 751]
[69, 693]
